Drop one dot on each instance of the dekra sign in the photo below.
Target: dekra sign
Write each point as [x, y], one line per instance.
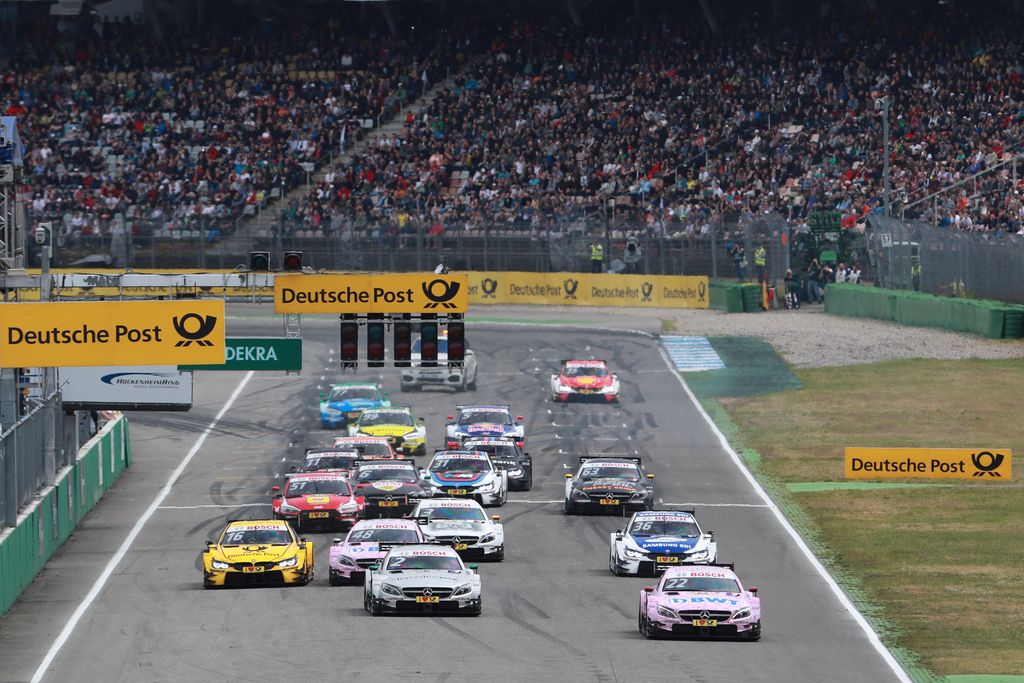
[250, 353]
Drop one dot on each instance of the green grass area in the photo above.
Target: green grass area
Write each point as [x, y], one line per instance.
[944, 563]
[668, 325]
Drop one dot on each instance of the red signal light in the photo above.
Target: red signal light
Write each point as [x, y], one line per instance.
[403, 342]
[349, 340]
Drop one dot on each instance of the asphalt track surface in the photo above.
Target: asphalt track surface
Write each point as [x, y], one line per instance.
[552, 610]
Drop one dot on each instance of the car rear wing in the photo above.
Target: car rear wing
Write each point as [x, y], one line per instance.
[490, 405]
[731, 566]
[584, 458]
[583, 360]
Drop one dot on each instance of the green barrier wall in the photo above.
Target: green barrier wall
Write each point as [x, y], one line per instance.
[991, 319]
[49, 521]
[725, 296]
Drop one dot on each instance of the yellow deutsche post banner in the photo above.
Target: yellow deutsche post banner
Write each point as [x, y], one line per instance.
[589, 289]
[378, 293]
[979, 464]
[111, 333]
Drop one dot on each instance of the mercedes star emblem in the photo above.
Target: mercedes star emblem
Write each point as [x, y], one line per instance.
[428, 591]
[705, 615]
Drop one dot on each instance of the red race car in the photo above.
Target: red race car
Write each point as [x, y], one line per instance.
[322, 499]
[585, 379]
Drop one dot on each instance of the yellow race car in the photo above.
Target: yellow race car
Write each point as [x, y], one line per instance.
[397, 425]
[257, 552]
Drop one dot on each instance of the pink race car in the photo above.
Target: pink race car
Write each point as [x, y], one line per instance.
[703, 601]
[367, 542]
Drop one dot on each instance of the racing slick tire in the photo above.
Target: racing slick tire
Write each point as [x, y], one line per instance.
[570, 509]
[755, 633]
[371, 606]
[645, 627]
[611, 565]
[479, 608]
[499, 556]
[529, 482]
[472, 385]
[337, 580]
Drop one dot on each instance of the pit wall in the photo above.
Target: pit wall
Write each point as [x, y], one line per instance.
[45, 524]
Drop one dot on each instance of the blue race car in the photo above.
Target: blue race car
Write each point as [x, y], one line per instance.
[344, 403]
[474, 422]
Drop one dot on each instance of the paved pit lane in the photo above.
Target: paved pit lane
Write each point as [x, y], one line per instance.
[552, 610]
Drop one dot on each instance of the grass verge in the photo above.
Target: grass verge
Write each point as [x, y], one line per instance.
[943, 564]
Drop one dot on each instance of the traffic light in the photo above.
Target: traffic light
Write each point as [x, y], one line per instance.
[456, 340]
[428, 340]
[349, 341]
[259, 261]
[292, 261]
[375, 341]
[403, 342]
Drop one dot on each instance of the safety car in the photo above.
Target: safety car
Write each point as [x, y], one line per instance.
[703, 601]
[585, 379]
[389, 488]
[317, 499]
[508, 456]
[608, 484]
[469, 474]
[463, 525]
[395, 424]
[471, 422]
[343, 403]
[368, 541]
[656, 540]
[322, 459]
[415, 377]
[257, 552]
[422, 578]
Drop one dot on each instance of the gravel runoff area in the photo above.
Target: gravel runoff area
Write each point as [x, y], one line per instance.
[806, 338]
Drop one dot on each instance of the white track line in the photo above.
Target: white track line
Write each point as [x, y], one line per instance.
[225, 507]
[686, 505]
[130, 538]
[844, 600]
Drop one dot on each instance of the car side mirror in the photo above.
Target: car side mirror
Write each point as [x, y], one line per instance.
[496, 518]
[474, 567]
[568, 476]
[209, 543]
[419, 419]
[386, 394]
[753, 590]
[519, 418]
[650, 476]
[275, 489]
[710, 532]
[323, 396]
[648, 589]
[373, 567]
[335, 540]
[451, 417]
[291, 468]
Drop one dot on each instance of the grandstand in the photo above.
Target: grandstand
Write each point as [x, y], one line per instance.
[647, 118]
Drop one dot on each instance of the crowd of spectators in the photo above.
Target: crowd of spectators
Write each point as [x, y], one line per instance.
[648, 121]
[168, 133]
[657, 123]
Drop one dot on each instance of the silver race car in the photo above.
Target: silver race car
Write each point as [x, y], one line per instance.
[462, 525]
[422, 579]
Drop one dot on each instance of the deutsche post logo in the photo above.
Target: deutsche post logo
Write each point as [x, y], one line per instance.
[645, 290]
[490, 286]
[702, 290]
[987, 462]
[570, 285]
[194, 331]
[442, 298]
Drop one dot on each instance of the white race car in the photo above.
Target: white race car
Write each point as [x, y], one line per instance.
[463, 525]
[585, 379]
[422, 578]
[656, 540]
[468, 474]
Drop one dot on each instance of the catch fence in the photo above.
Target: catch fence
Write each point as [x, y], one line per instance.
[23, 469]
[915, 255]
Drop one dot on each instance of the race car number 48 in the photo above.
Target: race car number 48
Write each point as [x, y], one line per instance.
[705, 623]
[427, 598]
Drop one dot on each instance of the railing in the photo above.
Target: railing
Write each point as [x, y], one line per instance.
[23, 469]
